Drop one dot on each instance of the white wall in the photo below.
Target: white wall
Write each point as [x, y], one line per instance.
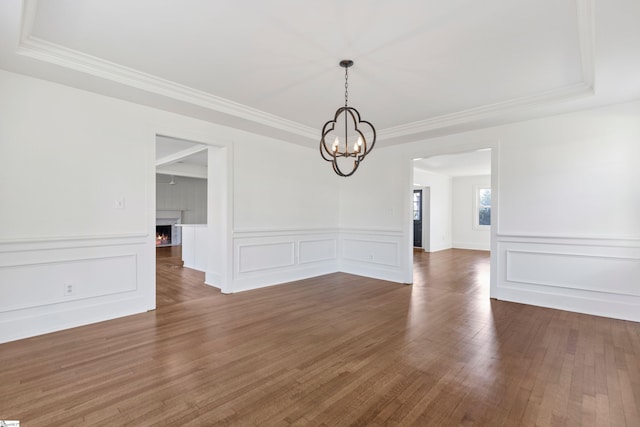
[440, 212]
[97, 151]
[566, 206]
[285, 214]
[466, 235]
[283, 186]
[188, 195]
[372, 212]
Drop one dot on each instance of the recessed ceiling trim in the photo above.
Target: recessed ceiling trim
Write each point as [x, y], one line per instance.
[46, 51]
[43, 50]
[176, 157]
[188, 171]
[586, 87]
[72, 59]
[586, 30]
[488, 111]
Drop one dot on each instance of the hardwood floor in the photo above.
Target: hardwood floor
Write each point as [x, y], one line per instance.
[332, 350]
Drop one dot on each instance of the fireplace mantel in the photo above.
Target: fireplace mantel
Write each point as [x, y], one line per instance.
[169, 215]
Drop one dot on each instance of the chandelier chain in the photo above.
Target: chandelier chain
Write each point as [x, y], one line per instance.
[346, 86]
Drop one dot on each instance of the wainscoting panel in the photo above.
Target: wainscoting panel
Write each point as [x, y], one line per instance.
[265, 258]
[372, 253]
[36, 284]
[317, 250]
[52, 284]
[593, 276]
[588, 272]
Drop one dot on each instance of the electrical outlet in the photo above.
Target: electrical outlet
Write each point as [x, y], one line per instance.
[69, 289]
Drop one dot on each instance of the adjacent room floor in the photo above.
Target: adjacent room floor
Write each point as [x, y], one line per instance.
[332, 350]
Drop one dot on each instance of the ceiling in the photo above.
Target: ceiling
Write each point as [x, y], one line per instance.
[422, 68]
[179, 157]
[471, 163]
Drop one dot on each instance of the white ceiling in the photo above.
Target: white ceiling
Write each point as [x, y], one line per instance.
[178, 157]
[421, 68]
[464, 164]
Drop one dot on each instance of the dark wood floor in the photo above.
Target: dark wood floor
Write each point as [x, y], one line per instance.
[332, 350]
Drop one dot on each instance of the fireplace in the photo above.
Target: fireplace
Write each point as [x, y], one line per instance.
[168, 233]
[163, 235]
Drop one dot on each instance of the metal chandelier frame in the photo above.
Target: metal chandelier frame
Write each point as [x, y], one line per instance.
[337, 149]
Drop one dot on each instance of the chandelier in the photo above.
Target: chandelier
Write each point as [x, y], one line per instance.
[337, 149]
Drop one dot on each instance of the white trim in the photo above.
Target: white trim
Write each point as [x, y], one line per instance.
[69, 242]
[175, 157]
[32, 324]
[488, 111]
[265, 232]
[49, 239]
[586, 33]
[472, 246]
[53, 53]
[43, 50]
[572, 239]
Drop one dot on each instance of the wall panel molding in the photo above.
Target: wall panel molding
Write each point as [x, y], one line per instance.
[561, 239]
[42, 283]
[373, 253]
[610, 274]
[598, 276]
[316, 250]
[63, 242]
[109, 278]
[265, 256]
[270, 257]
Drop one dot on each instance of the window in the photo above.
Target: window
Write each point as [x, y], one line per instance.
[417, 205]
[483, 207]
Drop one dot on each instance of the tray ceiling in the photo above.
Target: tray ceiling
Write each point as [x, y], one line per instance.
[271, 67]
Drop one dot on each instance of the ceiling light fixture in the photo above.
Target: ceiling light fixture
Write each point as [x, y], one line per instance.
[331, 129]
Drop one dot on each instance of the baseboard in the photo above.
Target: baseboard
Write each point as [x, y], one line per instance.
[472, 246]
[57, 319]
[374, 271]
[599, 305]
[273, 278]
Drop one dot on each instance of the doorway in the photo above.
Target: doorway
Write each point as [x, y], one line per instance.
[417, 218]
[182, 205]
[455, 199]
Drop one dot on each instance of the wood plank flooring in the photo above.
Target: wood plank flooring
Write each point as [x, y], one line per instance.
[333, 350]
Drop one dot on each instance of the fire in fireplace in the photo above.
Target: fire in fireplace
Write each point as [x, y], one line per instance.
[163, 235]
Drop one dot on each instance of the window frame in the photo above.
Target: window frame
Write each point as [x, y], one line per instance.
[476, 207]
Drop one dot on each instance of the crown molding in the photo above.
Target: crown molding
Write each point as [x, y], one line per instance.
[53, 53]
[585, 15]
[586, 34]
[488, 111]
